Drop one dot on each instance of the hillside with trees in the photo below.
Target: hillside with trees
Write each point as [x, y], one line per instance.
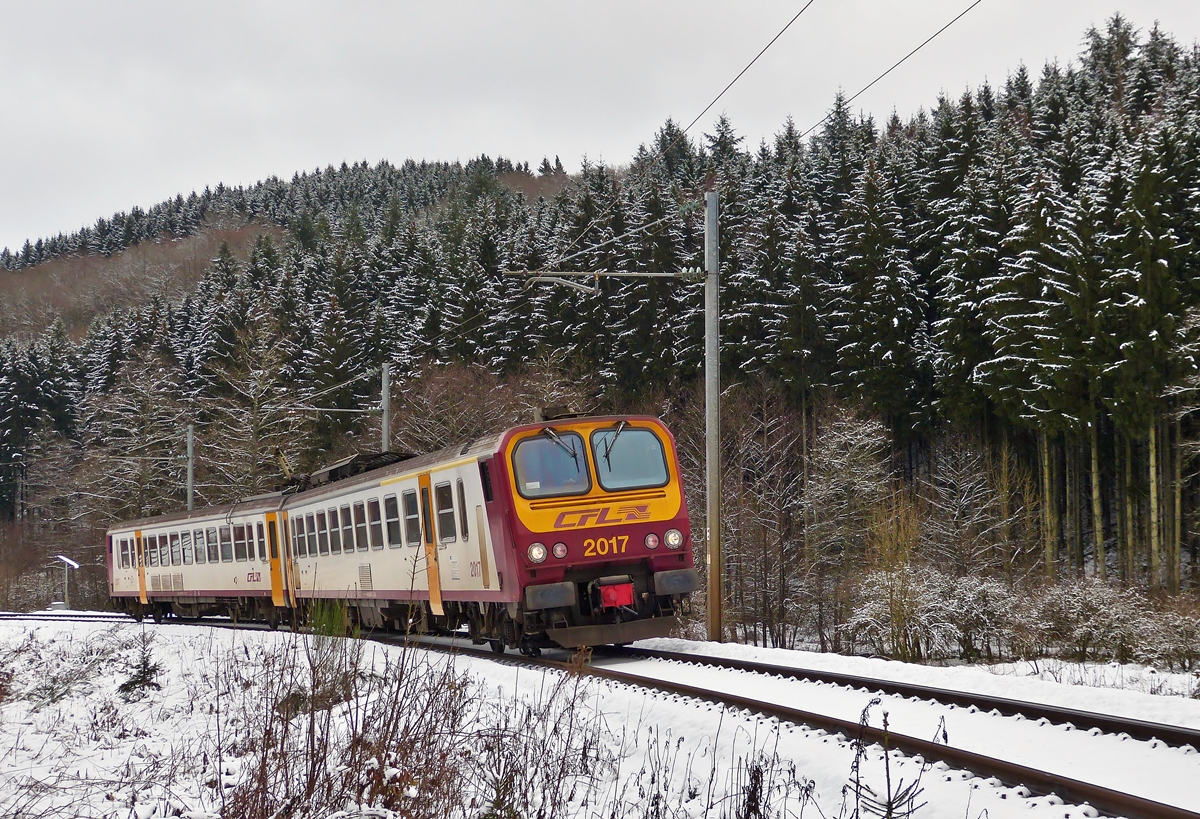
[961, 347]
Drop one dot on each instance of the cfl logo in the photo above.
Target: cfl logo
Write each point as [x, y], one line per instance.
[602, 516]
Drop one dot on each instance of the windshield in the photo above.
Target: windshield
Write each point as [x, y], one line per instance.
[551, 464]
[628, 458]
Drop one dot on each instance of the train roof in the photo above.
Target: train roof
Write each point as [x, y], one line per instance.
[364, 468]
[335, 477]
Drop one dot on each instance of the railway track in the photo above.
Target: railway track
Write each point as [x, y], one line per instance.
[1037, 782]
[1083, 720]
[72, 617]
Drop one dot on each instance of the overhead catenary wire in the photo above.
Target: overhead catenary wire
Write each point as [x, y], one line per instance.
[662, 152]
[894, 66]
[462, 329]
[660, 155]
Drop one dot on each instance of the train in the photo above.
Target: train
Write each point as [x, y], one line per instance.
[571, 531]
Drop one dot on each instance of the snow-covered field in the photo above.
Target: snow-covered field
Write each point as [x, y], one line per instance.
[71, 744]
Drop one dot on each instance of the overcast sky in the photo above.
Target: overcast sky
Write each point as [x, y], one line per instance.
[109, 105]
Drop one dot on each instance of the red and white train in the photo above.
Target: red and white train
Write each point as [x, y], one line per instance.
[568, 532]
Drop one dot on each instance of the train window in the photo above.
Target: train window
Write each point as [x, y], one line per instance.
[300, 545]
[443, 496]
[139, 552]
[391, 513]
[462, 510]
[628, 458]
[426, 519]
[226, 545]
[210, 535]
[124, 553]
[347, 530]
[185, 546]
[274, 539]
[262, 543]
[164, 551]
[551, 465]
[376, 523]
[311, 527]
[360, 526]
[412, 518]
[322, 533]
[239, 542]
[485, 478]
[176, 557]
[335, 533]
[151, 550]
[198, 543]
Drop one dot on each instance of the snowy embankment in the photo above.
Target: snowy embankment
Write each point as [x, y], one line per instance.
[1152, 770]
[249, 721]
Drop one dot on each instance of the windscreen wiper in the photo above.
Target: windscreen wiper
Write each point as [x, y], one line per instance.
[570, 450]
[611, 442]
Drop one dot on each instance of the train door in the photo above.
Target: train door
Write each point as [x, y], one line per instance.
[289, 577]
[431, 546]
[275, 560]
[141, 568]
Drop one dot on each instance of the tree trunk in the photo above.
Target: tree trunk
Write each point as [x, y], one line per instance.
[1005, 503]
[1128, 573]
[809, 552]
[1177, 529]
[1048, 528]
[1097, 507]
[1155, 557]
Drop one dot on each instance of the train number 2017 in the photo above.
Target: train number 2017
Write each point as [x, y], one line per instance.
[476, 568]
[601, 546]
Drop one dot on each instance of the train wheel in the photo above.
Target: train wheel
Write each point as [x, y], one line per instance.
[530, 650]
[157, 614]
[497, 646]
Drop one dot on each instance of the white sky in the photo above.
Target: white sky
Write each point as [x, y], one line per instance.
[106, 106]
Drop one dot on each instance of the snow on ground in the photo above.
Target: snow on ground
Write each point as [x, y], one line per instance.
[72, 745]
[1122, 690]
[1153, 770]
[1125, 676]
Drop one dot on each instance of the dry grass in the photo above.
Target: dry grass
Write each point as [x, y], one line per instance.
[79, 288]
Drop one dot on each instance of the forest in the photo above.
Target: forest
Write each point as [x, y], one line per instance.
[959, 352]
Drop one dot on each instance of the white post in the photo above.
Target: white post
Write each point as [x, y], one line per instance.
[191, 466]
[386, 401]
[712, 416]
[66, 586]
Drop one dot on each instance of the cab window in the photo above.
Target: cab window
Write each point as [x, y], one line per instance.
[628, 458]
[550, 465]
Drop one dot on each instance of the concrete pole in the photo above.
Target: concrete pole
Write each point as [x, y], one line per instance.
[191, 466]
[712, 417]
[386, 401]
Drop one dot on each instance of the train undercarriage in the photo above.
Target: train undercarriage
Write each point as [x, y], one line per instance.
[582, 610]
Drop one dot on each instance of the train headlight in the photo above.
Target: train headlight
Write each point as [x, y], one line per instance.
[674, 538]
[651, 541]
[537, 552]
[560, 550]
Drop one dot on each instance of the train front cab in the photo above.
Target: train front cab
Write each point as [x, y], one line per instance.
[600, 530]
